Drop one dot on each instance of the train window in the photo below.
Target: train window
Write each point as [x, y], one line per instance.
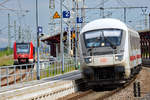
[131, 41]
[93, 34]
[103, 38]
[112, 33]
[22, 48]
[92, 38]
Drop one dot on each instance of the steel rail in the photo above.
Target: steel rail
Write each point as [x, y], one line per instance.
[100, 96]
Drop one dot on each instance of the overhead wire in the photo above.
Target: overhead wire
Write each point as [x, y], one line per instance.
[5, 1]
[122, 3]
[11, 9]
[6, 8]
[17, 12]
[101, 3]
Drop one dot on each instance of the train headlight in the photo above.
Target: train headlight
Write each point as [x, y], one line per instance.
[88, 60]
[119, 57]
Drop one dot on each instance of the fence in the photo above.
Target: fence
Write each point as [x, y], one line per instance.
[22, 73]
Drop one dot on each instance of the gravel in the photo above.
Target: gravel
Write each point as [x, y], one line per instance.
[128, 93]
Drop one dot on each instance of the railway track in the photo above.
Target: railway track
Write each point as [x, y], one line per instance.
[68, 89]
[14, 76]
[98, 94]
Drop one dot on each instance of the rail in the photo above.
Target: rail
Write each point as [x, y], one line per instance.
[90, 94]
[27, 72]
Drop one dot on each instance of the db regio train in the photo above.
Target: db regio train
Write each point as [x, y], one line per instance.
[109, 50]
[24, 53]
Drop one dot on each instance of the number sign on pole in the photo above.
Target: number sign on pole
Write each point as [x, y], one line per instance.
[66, 14]
[79, 19]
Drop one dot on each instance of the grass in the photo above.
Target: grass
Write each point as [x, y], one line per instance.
[6, 57]
[6, 60]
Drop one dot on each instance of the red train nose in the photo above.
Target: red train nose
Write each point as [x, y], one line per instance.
[23, 56]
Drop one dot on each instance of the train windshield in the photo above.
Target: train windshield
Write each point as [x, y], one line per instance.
[23, 48]
[103, 38]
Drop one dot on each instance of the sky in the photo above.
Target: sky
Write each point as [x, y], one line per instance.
[135, 17]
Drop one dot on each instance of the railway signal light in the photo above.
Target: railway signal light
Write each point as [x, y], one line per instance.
[73, 35]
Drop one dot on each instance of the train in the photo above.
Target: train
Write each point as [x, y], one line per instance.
[110, 51]
[24, 53]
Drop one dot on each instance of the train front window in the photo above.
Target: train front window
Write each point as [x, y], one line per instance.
[103, 38]
[23, 48]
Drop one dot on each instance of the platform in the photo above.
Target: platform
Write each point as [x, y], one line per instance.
[36, 88]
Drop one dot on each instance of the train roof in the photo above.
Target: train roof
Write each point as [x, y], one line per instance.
[103, 24]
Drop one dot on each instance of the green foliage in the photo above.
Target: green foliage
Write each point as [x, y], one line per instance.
[6, 52]
[6, 60]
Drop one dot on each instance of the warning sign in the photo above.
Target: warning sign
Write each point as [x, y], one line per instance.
[56, 15]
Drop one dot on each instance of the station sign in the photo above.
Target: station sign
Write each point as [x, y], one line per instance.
[66, 14]
[40, 29]
[56, 15]
[79, 19]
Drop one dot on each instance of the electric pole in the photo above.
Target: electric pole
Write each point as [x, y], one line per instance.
[146, 17]
[103, 16]
[61, 37]
[52, 4]
[19, 34]
[145, 21]
[149, 20]
[76, 34]
[38, 62]
[52, 22]
[15, 31]
[125, 14]
[9, 35]
[83, 13]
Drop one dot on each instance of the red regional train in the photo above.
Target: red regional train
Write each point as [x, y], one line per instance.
[24, 53]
